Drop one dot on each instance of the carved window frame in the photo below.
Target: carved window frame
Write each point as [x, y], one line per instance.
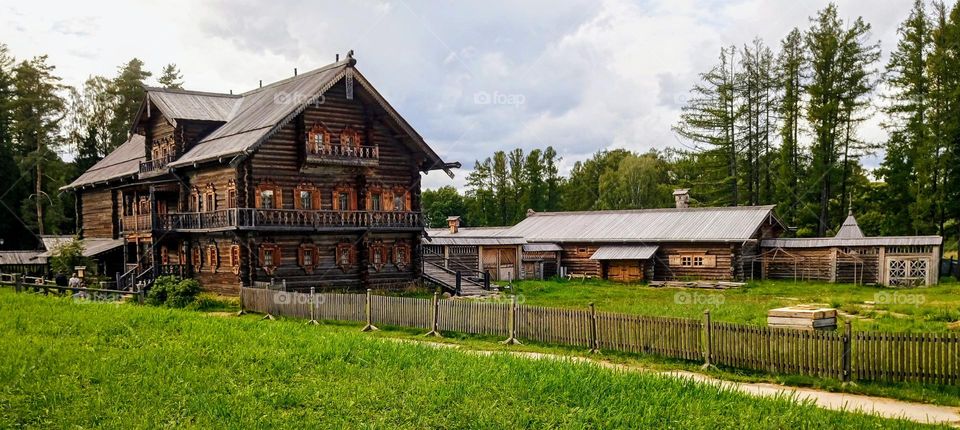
[235, 258]
[315, 147]
[277, 201]
[209, 198]
[196, 257]
[303, 251]
[164, 255]
[350, 133]
[403, 194]
[401, 254]
[213, 257]
[351, 198]
[346, 256]
[378, 255]
[314, 196]
[276, 257]
[231, 194]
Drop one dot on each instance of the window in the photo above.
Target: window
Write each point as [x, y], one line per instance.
[685, 260]
[212, 257]
[581, 250]
[318, 140]
[378, 255]
[346, 256]
[398, 202]
[231, 194]
[210, 203]
[197, 258]
[344, 198]
[306, 199]
[235, 255]
[270, 257]
[349, 140]
[307, 257]
[266, 199]
[164, 255]
[401, 254]
[698, 261]
[375, 204]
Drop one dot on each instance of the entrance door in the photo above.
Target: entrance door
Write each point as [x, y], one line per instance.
[624, 271]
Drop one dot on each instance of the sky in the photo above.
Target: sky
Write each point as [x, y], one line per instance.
[472, 77]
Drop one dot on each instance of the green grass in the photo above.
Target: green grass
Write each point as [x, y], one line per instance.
[930, 309]
[68, 364]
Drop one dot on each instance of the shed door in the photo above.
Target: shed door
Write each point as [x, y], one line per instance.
[624, 271]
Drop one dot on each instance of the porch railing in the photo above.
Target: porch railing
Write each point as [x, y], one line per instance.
[347, 152]
[287, 218]
[140, 222]
[156, 163]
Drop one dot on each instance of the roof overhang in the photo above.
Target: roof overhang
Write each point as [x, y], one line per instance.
[625, 252]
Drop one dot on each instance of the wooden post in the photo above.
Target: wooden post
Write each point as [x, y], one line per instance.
[242, 311]
[313, 307]
[512, 340]
[273, 301]
[369, 326]
[459, 282]
[140, 295]
[594, 343]
[708, 341]
[847, 341]
[435, 326]
[17, 283]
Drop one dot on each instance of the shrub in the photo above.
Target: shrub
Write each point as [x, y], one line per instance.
[173, 291]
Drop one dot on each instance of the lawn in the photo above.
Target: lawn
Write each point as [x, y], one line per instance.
[71, 364]
[930, 309]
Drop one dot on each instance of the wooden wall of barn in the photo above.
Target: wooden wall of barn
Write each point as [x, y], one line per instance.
[725, 255]
[458, 255]
[797, 263]
[97, 212]
[575, 257]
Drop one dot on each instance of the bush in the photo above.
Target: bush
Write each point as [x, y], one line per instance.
[173, 291]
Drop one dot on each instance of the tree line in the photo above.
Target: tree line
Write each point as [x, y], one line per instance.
[50, 133]
[778, 124]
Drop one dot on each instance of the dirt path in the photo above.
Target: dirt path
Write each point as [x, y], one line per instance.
[884, 407]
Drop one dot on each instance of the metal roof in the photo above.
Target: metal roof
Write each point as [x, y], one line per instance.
[725, 224]
[850, 229]
[825, 242]
[123, 161]
[92, 246]
[472, 236]
[51, 242]
[194, 105]
[541, 247]
[624, 252]
[18, 258]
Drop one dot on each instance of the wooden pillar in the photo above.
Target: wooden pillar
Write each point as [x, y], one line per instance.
[833, 264]
[933, 269]
[882, 262]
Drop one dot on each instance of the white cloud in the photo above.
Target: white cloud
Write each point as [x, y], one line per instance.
[591, 75]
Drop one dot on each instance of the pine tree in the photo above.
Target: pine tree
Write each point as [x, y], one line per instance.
[944, 71]
[12, 189]
[553, 180]
[87, 122]
[790, 68]
[127, 90]
[170, 77]
[37, 112]
[535, 189]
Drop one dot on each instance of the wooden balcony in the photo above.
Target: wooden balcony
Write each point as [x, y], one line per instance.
[135, 223]
[345, 155]
[292, 220]
[156, 166]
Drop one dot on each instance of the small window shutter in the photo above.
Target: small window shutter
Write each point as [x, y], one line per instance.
[709, 261]
[259, 201]
[674, 260]
[407, 202]
[278, 198]
[315, 196]
[336, 200]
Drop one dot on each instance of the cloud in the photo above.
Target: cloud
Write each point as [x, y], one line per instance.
[471, 77]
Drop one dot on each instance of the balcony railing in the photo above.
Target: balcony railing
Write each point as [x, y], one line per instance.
[248, 218]
[157, 163]
[130, 223]
[339, 154]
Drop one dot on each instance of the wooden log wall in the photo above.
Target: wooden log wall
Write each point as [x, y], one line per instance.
[724, 255]
[576, 258]
[800, 264]
[890, 357]
[96, 206]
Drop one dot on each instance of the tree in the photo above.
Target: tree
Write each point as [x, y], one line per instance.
[755, 87]
[12, 189]
[442, 203]
[90, 114]
[127, 91]
[480, 195]
[840, 80]
[710, 118]
[790, 66]
[582, 189]
[552, 179]
[503, 193]
[37, 112]
[535, 187]
[638, 182]
[944, 68]
[170, 77]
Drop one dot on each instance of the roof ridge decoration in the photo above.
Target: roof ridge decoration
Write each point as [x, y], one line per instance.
[850, 229]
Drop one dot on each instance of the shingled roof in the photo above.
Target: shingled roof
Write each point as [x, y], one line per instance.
[723, 224]
[122, 162]
[192, 105]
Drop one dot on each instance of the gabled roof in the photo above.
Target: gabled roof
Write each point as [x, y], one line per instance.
[827, 242]
[193, 105]
[472, 236]
[850, 229]
[723, 224]
[122, 162]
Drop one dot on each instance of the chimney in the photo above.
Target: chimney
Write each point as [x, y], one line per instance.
[454, 223]
[531, 212]
[682, 197]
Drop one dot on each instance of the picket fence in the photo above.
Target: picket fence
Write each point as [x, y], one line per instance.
[843, 355]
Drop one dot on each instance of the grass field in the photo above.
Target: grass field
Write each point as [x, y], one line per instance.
[68, 364]
[932, 309]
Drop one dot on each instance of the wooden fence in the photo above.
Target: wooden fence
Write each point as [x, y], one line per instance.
[842, 355]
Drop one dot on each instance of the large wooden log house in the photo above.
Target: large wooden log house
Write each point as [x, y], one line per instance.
[314, 180]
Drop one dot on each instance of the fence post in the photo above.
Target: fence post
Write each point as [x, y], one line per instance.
[17, 282]
[272, 304]
[708, 340]
[369, 326]
[313, 307]
[242, 311]
[486, 280]
[512, 340]
[594, 342]
[140, 295]
[459, 281]
[847, 341]
[435, 326]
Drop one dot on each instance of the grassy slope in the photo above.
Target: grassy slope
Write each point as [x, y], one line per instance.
[64, 364]
[941, 304]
